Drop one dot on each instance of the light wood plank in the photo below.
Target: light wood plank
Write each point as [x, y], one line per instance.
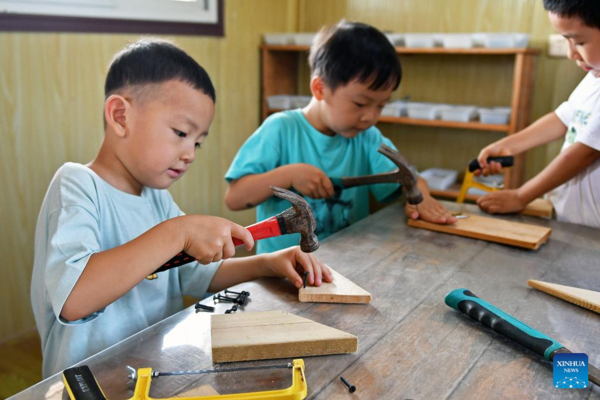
[539, 208]
[492, 230]
[580, 297]
[274, 334]
[341, 290]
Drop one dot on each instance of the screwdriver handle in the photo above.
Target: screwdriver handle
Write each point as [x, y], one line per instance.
[500, 322]
[505, 161]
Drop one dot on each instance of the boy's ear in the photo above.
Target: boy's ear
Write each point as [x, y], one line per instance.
[317, 87]
[116, 109]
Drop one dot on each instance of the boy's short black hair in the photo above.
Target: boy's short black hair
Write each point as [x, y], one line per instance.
[586, 10]
[352, 50]
[152, 61]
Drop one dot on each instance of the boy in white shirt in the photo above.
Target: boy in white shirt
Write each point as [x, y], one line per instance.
[572, 179]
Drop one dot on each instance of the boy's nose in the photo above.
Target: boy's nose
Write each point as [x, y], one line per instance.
[370, 116]
[572, 53]
[189, 156]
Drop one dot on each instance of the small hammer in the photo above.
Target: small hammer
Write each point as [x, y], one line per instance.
[404, 176]
[298, 218]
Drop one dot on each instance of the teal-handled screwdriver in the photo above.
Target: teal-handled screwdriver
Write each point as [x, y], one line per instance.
[465, 301]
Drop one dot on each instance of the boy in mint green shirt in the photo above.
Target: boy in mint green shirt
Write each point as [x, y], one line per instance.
[355, 69]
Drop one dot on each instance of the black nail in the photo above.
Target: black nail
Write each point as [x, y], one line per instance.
[219, 297]
[238, 293]
[232, 309]
[305, 278]
[242, 300]
[351, 388]
[200, 307]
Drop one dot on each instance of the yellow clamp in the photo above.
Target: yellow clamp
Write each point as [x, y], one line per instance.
[469, 183]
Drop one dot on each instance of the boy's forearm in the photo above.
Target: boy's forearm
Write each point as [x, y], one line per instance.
[237, 270]
[563, 168]
[545, 130]
[110, 274]
[251, 190]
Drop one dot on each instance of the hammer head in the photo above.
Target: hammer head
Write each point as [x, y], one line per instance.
[299, 219]
[406, 174]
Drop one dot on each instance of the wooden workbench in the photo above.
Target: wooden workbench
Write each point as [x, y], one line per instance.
[411, 345]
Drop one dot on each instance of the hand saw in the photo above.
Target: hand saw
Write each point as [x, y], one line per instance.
[82, 385]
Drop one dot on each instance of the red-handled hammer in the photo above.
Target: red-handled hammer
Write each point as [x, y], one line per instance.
[298, 218]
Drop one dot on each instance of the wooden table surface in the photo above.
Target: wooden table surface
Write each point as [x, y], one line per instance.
[411, 345]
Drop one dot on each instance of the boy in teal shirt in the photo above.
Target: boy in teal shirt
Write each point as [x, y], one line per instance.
[355, 69]
[105, 226]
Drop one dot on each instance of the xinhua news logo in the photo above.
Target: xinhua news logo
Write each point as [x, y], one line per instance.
[570, 370]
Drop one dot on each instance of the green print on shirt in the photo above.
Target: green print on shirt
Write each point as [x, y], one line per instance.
[571, 134]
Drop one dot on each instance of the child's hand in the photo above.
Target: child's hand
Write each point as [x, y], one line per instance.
[502, 202]
[290, 263]
[493, 150]
[310, 181]
[210, 239]
[430, 210]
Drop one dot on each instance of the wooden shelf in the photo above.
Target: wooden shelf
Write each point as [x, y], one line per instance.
[415, 50]
[444, 124]
[280, 68]
[435, 123]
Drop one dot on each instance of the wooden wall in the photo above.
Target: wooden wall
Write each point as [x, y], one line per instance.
[51, 103]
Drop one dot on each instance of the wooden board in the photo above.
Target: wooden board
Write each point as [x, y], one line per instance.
[492, 230]
[341, 290]
[205, 390]
[539, 208]
[581, 297]
[274, 334]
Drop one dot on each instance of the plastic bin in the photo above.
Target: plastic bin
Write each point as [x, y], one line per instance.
[419, 40]
[299, 101]
[303, 39]
[505, 40]
[396, 39]
[279, 38]
[439, 178]
[496, 115]
[458, 113]
[457, 40]
[395, 109]
[428, 111]
[280, 101]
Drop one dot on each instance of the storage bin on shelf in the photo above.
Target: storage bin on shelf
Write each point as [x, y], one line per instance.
[299, 101]
[279, 101]
[429, 111]
[496, 115]
[396, 39]
[506, 40]
[439, 178]
[419, 40]
[303, 39]
[396, 108]
[457, 40]
[278, 38]
[458, 113]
